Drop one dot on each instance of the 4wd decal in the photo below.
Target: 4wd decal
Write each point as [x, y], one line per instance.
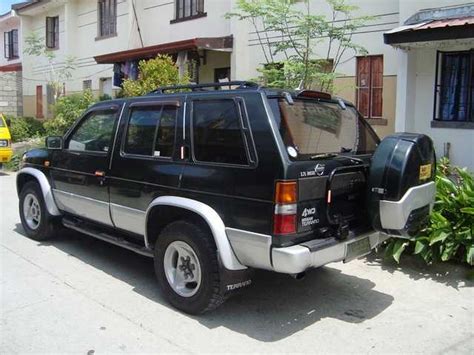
[308, 217]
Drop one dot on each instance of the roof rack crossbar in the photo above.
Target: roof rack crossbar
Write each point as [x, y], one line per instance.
[200, 87]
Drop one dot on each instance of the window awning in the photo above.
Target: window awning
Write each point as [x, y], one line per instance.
[432, 30]
[11, 67]
[209, 43]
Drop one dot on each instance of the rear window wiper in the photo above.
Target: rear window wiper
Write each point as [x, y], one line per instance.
[334, 155]
[323, 156]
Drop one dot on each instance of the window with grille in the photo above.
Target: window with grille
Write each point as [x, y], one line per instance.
[454, 89]
[188, 9]
[10, 44]
[86, 85]
[369, 86]
[107, 21]
[52, 32]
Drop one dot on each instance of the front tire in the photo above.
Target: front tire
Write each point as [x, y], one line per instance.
[37, 223]
[187, 269]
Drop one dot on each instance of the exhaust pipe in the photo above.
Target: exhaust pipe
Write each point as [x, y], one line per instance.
[299, 276]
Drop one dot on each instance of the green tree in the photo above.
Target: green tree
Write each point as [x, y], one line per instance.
[57, 73]
[67, 110]
[160, 71]
[289, 32]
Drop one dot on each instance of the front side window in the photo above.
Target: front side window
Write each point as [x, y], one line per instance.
[52, 32]
[94, 133]
[10, 43]
[189, 8]
[217, 133]
[318, 127]
[107, 18]
[151, 131]
[455, 86]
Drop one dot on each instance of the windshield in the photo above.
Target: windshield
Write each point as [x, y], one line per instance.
[2, 123]
[317, 127]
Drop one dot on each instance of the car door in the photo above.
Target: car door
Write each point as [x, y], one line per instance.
[79, 170]
[222, 152]
[146, 163]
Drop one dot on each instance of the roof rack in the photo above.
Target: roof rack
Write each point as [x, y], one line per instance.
[201, 87]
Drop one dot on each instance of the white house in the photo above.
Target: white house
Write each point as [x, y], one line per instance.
[435, 91]
[107, 34]
[11, 100]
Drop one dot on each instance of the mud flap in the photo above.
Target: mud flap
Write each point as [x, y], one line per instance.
[233, 281]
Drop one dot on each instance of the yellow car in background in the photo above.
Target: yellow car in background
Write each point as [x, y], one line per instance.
[5, 142]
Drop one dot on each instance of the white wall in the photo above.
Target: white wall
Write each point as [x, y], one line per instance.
[462, 140]
[248, 56]
[78, 34]
[415, 91]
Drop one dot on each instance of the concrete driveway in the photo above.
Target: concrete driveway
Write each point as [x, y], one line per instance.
[77, 294]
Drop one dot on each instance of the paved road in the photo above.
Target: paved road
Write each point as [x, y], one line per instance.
[77, 294]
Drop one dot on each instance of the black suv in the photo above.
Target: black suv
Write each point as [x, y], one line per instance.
[215, 180]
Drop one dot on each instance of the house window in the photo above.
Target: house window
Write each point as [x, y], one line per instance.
[10, 44]
[369, 86]
[107, 12]
[189, 9]
[52, 32]
[454, 89]
[86, 85]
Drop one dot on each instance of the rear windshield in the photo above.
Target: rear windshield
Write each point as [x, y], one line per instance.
[317, 127]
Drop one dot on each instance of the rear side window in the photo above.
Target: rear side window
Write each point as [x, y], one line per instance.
[151, 131]
[217, 132]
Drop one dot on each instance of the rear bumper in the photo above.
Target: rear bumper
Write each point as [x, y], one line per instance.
[298, 258]
[394, 215]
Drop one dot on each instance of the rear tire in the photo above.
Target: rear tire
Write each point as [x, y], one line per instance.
[187, 269]
[37, 223]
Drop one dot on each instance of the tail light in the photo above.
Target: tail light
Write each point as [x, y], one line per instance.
[286, 197]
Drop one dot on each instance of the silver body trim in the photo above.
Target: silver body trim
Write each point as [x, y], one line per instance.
[394, 214]
[45, 188]
[297, 258]
[226, 254]
[252, 249]
[129, 219]
[87, 207]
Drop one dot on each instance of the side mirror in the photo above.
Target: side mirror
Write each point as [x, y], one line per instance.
[8, 121]
[54, 142]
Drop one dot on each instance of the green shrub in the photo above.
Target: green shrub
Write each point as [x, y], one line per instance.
[104, 97]
[23, 128]
[14, 163]
[451, 228]
[160, 71]
[67, 110]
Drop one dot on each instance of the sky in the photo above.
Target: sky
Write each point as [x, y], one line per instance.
[5, 5]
